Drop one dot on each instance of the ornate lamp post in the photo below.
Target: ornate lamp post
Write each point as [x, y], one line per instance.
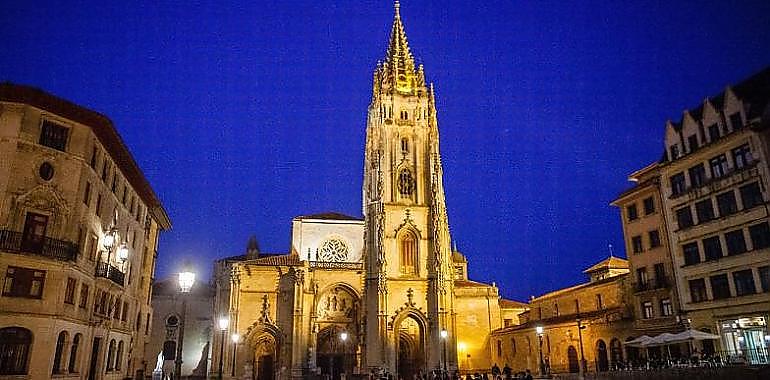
[539, 330]
[223, 324]
[186, 281]
[444, 335]
[344, 338]
[236, 338]
[108, 242]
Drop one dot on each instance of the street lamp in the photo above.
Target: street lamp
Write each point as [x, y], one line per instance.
[539, 330]
[223, 323]
[236, 338]
[186, 282]
[344, 337]
[444, 335]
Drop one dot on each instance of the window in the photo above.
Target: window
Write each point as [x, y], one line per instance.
[408, 255]
[674, 149]
[684, 217]
[712, 248]
[14, 350]
[660, 275]
[119, 357]
[647, 311]
[124, 315]
[751, 195]
[513, 346]
[23, 282]
[727, 204]
[94, 155]
[61, 341]
[114, 186]
[764, 278]
[698, 290]
[507, 322]
[331, 250]
[404, 145]
[705, 210]
[599, 304]
[691, 254]
[556, 309]
[654, 236]
[98, 205]
[736, 243]
[720, 287]
[87, 194]
[760, 235]
[105, 170]
[69, 292]
[713, 132]
[697, 175]
[636, 243]
[404, 115]
[677, 184]
[641, 277]
[93, 247]
[33, 237]
[73, 363]
[692, 142]
[744, 282]
[736, 121]
[649, 206]
[499, 348]
[742, 156]
[111, 356]
[54, 135]
[666, 309]
[632, 213]
[718, 166]
[83, 296]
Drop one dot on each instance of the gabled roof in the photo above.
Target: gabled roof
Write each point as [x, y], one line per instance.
[328, 216]
[511, 304]
[611, 262]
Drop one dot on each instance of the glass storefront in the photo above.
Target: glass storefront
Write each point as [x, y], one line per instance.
[746, 340]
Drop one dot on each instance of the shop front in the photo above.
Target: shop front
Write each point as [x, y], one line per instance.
[746, 339]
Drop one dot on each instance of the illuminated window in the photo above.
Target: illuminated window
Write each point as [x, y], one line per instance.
[408, 250]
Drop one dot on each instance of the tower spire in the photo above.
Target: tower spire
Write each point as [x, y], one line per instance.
[399, 57]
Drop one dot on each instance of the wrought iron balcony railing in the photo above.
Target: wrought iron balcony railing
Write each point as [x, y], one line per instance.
[111, 273]
[16, 242]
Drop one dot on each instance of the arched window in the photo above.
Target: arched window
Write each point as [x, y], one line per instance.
[404, 115]
[111, 356]
[14, 350]
[408, 250]
[119, 357]
[73, 364]
[333, 250]
[61, 342]
[405, 145]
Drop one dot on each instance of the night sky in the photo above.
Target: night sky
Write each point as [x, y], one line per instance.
[246, 115]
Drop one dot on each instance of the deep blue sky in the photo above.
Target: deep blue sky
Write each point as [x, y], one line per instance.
[246, 115]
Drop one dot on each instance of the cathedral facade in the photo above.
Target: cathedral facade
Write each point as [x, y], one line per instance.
[386, 292]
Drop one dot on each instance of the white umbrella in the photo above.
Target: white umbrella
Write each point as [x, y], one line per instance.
[638, 342]
[690, 335]
[661, 340]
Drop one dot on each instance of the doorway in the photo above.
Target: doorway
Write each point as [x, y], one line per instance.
[572, 358]
[602, 363]
[411, 350]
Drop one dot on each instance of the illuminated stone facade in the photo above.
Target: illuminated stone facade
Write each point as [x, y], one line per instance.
[71, 308]
[389, 282]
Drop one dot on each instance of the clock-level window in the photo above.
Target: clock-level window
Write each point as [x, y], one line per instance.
[408, 253]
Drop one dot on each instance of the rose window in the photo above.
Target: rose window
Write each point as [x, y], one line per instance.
[333, 250]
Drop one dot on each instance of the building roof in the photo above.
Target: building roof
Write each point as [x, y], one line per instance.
[611, 262]
[470, 284]
[511, 304]
[104, 130]
[563, 291]
[328, 216]
[277, 260]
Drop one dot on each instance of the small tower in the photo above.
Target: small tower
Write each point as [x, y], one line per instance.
[252, 248]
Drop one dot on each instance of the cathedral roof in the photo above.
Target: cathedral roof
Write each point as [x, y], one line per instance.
[329, 216]
[278, 260]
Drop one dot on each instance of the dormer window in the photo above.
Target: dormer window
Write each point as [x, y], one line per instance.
[713, 132]
[674, 152]
[692, 141]
[736, 121]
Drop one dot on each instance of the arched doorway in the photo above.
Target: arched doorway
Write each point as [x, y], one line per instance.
[602, 364]
[616, 353]
[411, 347]
[335, 352]
[265, 354]
[572, 358]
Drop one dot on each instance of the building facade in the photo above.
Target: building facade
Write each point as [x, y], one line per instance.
[79, 227]
[378, 293]
[656, 303]
[713, 184]
[585, 323]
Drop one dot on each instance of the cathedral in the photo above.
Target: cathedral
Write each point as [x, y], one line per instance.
[382, 293]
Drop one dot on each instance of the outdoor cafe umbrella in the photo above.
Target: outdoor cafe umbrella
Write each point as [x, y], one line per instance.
[638, 342]
[691, 335]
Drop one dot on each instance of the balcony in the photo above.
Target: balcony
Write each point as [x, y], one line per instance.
[15, 242]
[111, 273]
[658, 283]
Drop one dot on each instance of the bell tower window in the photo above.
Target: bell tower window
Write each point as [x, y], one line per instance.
[404, 115]
[408, 253]
[405, 183]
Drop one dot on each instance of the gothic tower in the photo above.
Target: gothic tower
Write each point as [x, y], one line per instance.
[409, 283]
